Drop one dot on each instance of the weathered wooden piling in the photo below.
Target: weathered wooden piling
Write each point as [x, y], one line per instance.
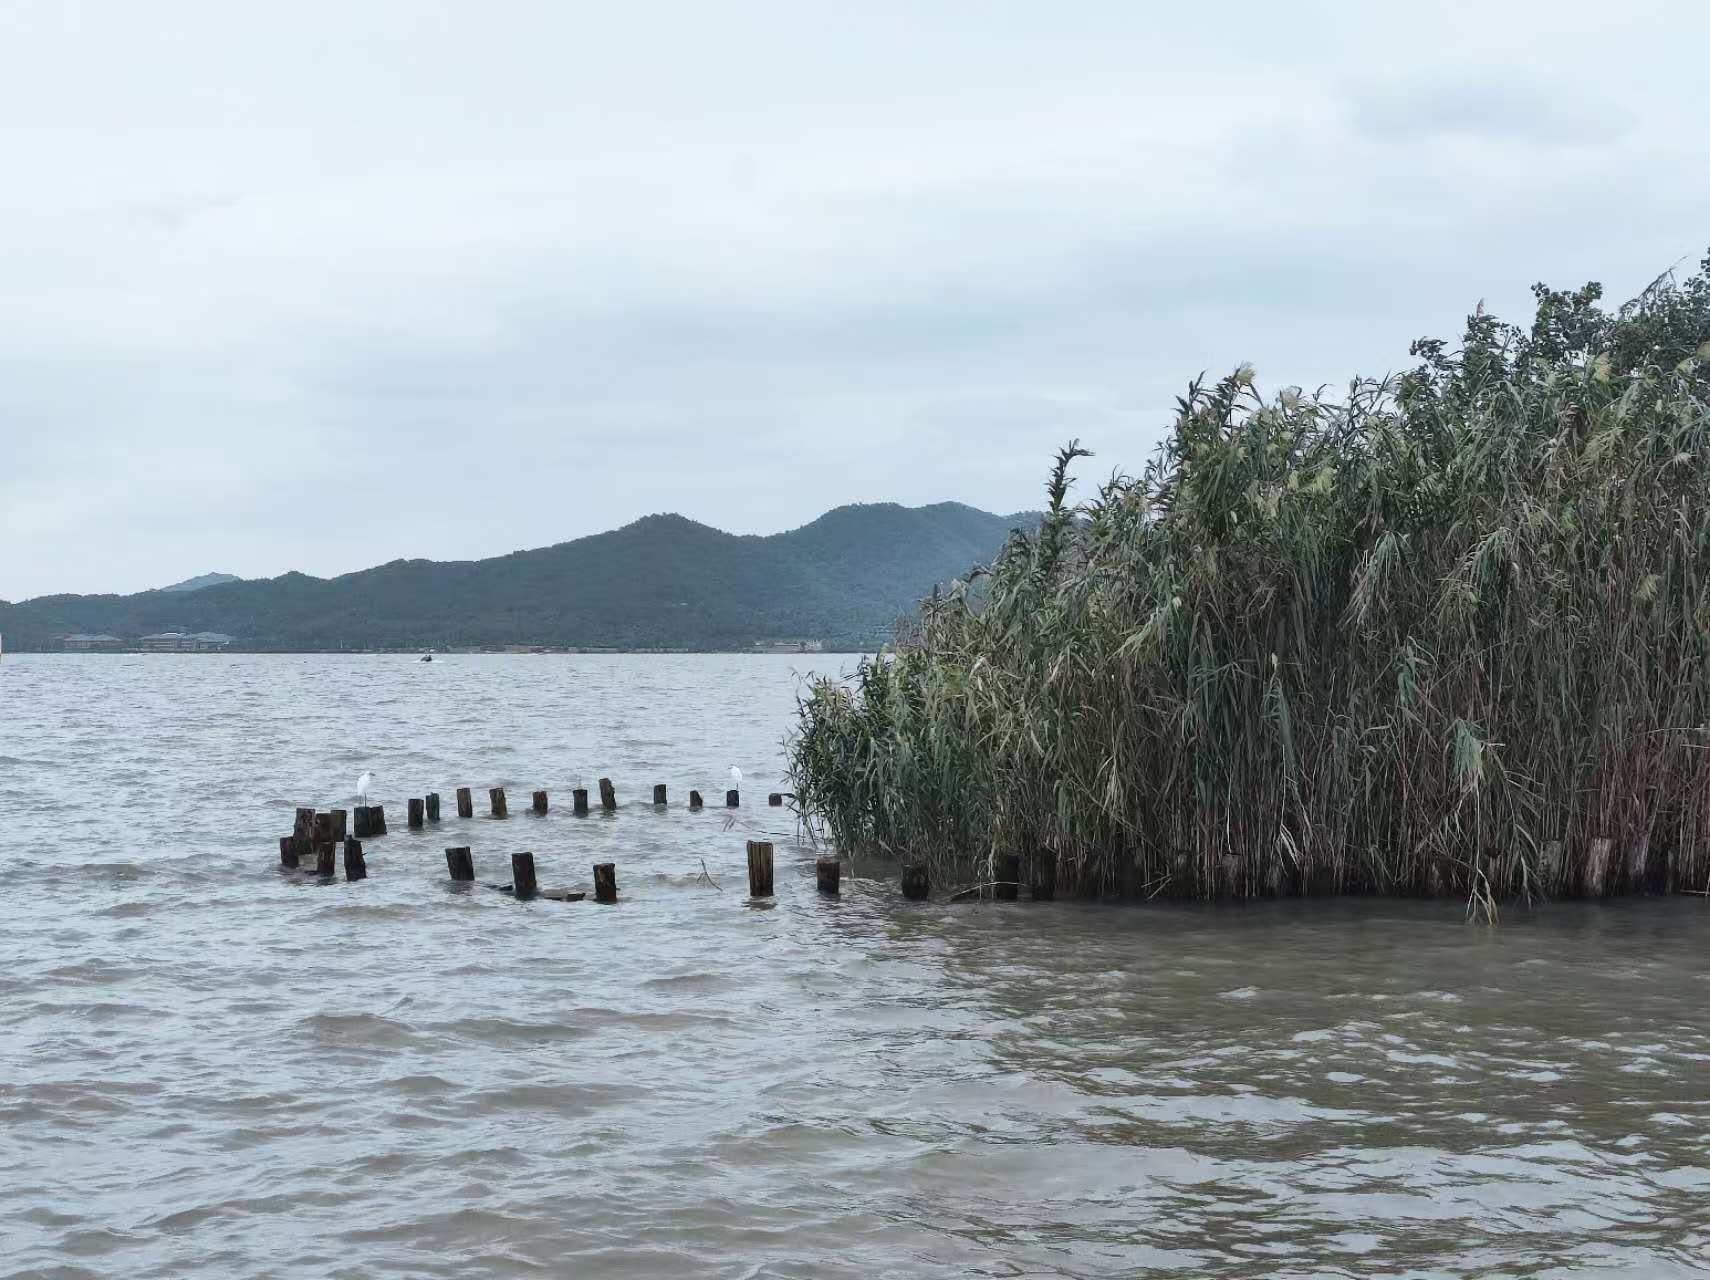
[288, 851]
[760, 868]
[496, 802]
[305, 823]
[417, 814]
[732, 798]
[1006, 877]
[579, 800]
[608, 795]
[377, 819]
[433, 806]
[460, 862]
[322, 828]
[362, 822]
[465, 803]
[540, 802]
[340, 824]
[695, 800]
[1042, 875]
[326, 859]
[829, 871]
[776, 799]
[523, 883]
[916, 884]
[605, 882]
[354, 866]
[659, 793]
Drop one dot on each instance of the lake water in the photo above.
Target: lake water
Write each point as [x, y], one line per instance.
[209, 1067]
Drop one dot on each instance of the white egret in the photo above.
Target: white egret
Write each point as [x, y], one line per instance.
[362, 785]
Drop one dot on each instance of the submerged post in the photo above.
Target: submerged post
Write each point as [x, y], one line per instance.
[326, 861]
[605, 882]
[915, 882]
[732, 798]
[465, 803]
[1043, 881]
[287, 851]
[760, 868]
[659, 793]
[579, 800]
[829, 871]
[540, 802]
[433, 806]
[460, 862]
[522, 875]
[776, 799]
[608, 795]
[496, 802]
[416, 812]
[695, 800]
[355, 868]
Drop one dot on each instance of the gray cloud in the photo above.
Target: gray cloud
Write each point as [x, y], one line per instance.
[320, 286]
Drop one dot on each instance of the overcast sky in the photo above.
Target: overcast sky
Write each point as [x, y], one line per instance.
[319, 285]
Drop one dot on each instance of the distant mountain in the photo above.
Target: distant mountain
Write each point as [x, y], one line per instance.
[204, 581]
[661, 582]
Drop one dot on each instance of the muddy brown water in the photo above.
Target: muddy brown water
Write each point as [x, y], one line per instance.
[208, 1068]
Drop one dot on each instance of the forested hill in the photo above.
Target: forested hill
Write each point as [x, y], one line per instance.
[662, 582]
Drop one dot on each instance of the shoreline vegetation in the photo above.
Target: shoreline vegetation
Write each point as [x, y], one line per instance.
[1447, 634]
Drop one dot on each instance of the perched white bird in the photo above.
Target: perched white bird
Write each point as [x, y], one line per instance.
[362, 785]
[736, 775]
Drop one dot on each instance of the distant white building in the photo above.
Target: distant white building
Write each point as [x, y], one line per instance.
[83, 643]
[184, 642]
[789, 646]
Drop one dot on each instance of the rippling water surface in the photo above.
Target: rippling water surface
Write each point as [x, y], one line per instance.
[208, 1067]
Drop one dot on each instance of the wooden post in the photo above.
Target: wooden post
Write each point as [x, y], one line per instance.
[760, 868]
[605, 882]
[305, 823]
[1043, 881]
[416, 818]
[915, 882]
[287, 851]
[362, 822]
[522, 875]
[322, 827]
[659, 793]
[1006, 873]
[776, 799]
[377, 819]
[496, 802]
[732, 798]
[579, 800]
[830, 870]
[608, 795]
[433, 806]
[540, 802]
[465, 803]
[460, 862]
[340, 824]
[354, 867]
[326, 863]
[695, 800]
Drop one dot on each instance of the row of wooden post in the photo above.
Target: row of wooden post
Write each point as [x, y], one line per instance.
[460, 862]
[426, 809]
[827, 871]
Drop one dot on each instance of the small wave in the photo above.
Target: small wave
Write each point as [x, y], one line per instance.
[361, 1030]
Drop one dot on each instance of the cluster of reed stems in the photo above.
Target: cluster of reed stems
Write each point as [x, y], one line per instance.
[1446, 634]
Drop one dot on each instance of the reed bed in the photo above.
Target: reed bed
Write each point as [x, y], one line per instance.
[1445, 634]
